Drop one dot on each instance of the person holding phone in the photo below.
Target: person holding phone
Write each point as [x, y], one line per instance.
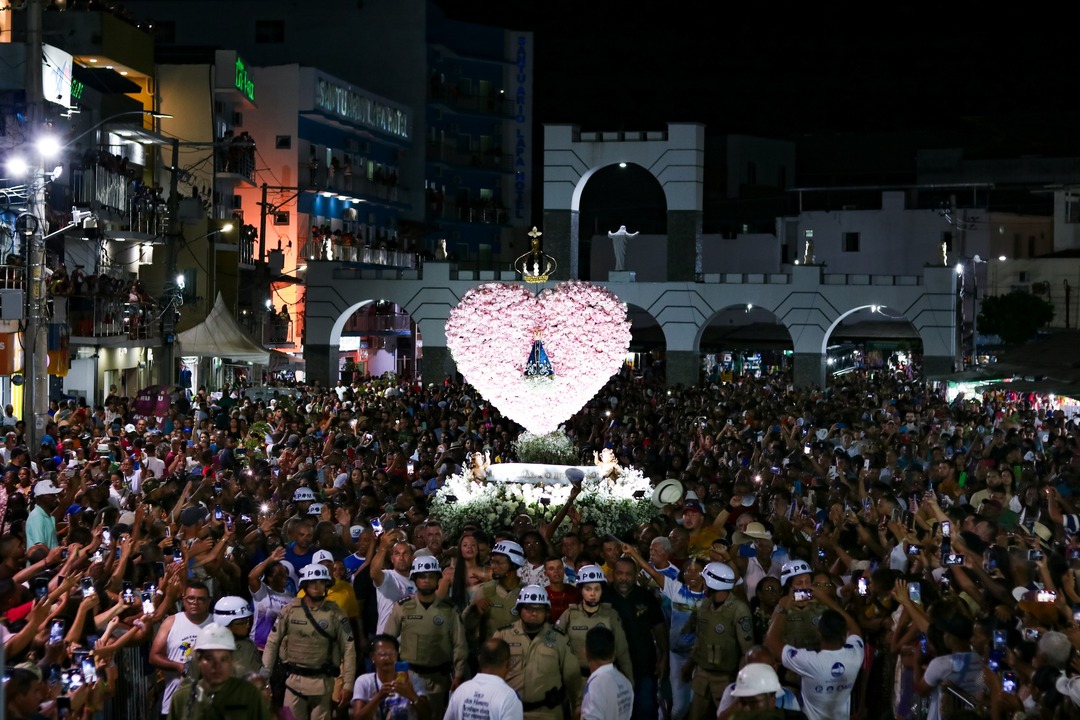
[961, 666]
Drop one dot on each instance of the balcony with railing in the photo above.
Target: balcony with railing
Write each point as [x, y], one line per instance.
[111, 317]
[394, 324]
[450, 94]
[117, 197]
[336, 251]
[235, 162]
[383, 185]
[467, 212]
[270, 328]
[492, 159]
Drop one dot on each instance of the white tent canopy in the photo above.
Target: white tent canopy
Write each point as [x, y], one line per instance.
[221, 336]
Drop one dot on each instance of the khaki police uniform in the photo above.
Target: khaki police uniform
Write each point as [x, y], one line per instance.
[433, 642]
[722, 635]
[543, 670]
[237, 699]
[312, 655]
[503, 610]
[801, 625]
[575, 624]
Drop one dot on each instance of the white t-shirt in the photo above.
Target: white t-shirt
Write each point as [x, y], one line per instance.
[828, 677]
[485, 697]
[268, 604]
[156, 465]
[367, 686]
[608, 695]
[529, 575]
[963, 670]
[395, 586]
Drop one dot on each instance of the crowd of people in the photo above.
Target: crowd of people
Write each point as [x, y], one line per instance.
[871, 550]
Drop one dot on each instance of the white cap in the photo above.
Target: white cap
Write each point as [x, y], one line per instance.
[322, 556]
[46, 487]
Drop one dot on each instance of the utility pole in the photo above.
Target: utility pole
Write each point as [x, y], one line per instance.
[167, 366]
[35, 338]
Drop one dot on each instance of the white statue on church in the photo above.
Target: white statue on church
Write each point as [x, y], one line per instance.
[618, 244]
[440, 250]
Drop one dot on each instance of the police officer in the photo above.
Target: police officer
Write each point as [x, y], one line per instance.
[495, 601]
[313, 639]
[431, 635]
[724, 631]
[543, 669]
[581, 617]
[234, 613]
[217, 692]
[801, 628]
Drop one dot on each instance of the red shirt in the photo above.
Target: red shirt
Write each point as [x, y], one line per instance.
[562, 599]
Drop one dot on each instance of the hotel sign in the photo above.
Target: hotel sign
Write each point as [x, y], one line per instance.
[243, 80]
[361, 109]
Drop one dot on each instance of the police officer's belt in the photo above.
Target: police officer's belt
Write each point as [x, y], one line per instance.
[445, 668]
[553, 698]
[327, 670]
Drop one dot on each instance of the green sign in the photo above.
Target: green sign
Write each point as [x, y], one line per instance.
[244, 83]
[76, 90]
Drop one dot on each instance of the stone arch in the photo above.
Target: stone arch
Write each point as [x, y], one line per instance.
[755, 315]
[879, 322]
[675, 157]
[624, 194]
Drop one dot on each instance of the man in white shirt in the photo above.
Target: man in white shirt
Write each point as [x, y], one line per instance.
[608, 694]
[828, 675]
[487, 696]
[393, 583]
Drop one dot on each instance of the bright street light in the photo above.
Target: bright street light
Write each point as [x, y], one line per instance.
[17, 167]
[48, 146]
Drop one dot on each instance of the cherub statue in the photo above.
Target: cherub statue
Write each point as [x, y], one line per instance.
[606, 463]
[478, 465]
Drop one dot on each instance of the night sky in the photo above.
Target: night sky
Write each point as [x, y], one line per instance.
[787, 70]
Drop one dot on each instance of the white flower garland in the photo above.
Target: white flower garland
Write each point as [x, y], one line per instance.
[616, 506]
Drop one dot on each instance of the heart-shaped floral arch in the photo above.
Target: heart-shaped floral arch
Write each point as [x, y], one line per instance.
[582, 326]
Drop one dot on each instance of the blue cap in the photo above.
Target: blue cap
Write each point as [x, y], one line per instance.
[75, 509]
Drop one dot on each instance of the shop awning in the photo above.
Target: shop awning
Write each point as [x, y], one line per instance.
[221, 336]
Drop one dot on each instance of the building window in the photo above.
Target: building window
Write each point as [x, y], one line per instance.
[808, 234]
[281, 217]
[283, 142]
[851, 242]
[270, 32]
[946, 240]
[1072, 209]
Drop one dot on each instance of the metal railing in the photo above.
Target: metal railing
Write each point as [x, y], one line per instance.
[12, 277]
[377, 324]
[338, 252]
[236, 161]
[490, 160]
[103, 317]
[119, 195]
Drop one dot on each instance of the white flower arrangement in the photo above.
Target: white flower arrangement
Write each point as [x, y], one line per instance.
[615, 506]
[553, 448]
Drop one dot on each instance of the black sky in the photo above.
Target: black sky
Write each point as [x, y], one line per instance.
[787, 69]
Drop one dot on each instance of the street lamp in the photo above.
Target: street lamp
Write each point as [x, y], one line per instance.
[975, 261]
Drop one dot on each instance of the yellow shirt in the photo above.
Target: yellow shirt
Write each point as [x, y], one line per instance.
[342, 593]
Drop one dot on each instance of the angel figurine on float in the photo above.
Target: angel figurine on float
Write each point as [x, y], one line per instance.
[606, 463]
[478, 466]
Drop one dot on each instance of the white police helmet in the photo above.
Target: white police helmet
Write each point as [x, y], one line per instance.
[794, 568]
[215, 637]
[230, 609]
[312, 572]
[719, 576]
[303, 494]
[533, 595]
[315, 508]
[589, 574]
[510, 549]
[425, 564]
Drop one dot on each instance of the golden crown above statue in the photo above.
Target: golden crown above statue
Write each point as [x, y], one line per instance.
[535, 266]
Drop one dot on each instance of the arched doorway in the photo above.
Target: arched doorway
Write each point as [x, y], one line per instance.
[375, 337]
[622, 194]
[870, 337]
[743, 339]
